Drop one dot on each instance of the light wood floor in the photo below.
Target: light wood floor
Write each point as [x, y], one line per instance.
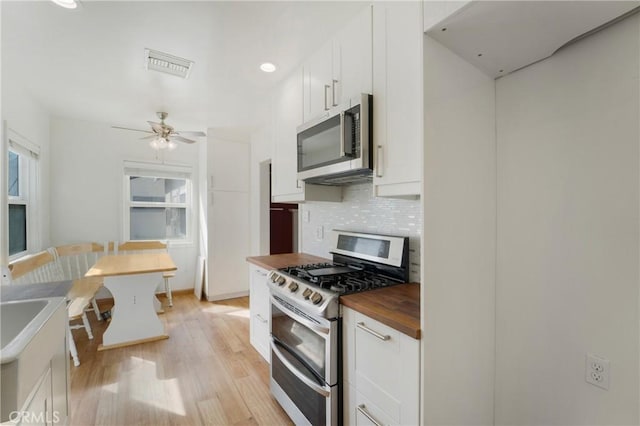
[207, 373]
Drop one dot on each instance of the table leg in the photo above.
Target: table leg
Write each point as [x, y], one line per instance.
[135, 319]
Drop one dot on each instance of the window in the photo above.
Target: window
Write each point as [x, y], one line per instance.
[157, 202]
[22, 190]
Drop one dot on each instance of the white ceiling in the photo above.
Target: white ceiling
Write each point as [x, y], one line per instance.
[88, 63]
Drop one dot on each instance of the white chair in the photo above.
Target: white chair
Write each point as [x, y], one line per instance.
[146, 246]
[76, 259]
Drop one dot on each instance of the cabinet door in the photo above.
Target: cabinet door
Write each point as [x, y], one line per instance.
[39, 410]
[287, 116]
[397, 98]
[352, 60]
[318, 82]
[259, 311]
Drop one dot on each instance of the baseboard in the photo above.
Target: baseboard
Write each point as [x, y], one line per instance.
[227, 296]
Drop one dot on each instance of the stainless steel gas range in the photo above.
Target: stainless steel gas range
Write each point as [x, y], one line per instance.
[306, 334]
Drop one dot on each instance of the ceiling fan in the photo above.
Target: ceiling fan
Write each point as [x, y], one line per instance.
[162, 135]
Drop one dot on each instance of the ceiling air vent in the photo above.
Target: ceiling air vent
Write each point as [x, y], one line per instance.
[168, 64]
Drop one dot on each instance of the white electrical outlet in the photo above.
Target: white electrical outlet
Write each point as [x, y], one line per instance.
[597, 371]
[320, 233]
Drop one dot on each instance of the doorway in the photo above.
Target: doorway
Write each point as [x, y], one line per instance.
[283, 225]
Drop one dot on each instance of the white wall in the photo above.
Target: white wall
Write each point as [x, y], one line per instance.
[458, 278]
[87, 182]
[28, 118]
[360, 211]
[568, 241]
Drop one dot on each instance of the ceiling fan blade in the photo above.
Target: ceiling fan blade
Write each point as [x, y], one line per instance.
[127, 128]
[152, 136]
[192, 134]
[157, 127]
[181, 139]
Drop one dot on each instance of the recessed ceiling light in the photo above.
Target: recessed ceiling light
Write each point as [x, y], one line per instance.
[268, 67]
[68, 4]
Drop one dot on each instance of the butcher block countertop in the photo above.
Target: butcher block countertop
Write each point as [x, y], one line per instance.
[397, 306]
[277, 261]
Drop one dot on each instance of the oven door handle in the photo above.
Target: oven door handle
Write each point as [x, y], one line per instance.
[314, 386]
[315, 327]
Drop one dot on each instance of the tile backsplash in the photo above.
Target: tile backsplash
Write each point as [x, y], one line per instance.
[360, 211]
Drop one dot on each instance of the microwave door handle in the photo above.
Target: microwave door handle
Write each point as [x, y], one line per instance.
[343, 152]
[345, 134]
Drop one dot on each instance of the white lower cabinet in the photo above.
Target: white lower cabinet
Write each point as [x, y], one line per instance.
[260, 310]
[39, 408]
[381, 373]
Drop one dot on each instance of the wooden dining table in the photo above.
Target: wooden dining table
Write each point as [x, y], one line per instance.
[132, 280]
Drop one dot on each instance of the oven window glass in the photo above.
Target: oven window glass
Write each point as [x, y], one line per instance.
[306, 344]
[368, 246]
[312, 405]
[320, 145]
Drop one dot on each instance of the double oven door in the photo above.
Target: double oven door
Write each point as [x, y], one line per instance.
[304, 364]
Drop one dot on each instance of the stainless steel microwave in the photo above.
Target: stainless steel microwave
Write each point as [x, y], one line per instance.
[335, 149]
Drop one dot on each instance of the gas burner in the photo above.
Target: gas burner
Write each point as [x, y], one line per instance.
[338, 278]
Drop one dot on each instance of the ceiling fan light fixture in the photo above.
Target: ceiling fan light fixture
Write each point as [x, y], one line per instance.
[171, 145]
[67, 4]
[155, 144]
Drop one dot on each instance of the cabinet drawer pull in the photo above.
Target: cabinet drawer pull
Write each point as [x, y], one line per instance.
[326, 97]
[261, 319]
[362, 409]
[379, 161]
[384, 337]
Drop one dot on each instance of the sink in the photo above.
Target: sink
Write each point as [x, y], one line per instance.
[32, 333]
[14, 321]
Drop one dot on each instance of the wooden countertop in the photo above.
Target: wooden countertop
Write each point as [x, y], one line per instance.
[128, 264]
[397, 306]
[277, 261]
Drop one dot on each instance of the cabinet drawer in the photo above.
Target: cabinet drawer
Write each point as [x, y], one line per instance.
[383, 365]
[360, 410]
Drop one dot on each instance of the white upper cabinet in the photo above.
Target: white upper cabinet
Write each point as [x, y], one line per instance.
[341, 69]
[287, 116]
[397, 98]
[319, 83]
[352, 62]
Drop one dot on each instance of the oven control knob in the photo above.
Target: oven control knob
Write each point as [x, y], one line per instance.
[274, 277]
[281, 280]
[306, 293]
[293, 287]
[316, 298]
